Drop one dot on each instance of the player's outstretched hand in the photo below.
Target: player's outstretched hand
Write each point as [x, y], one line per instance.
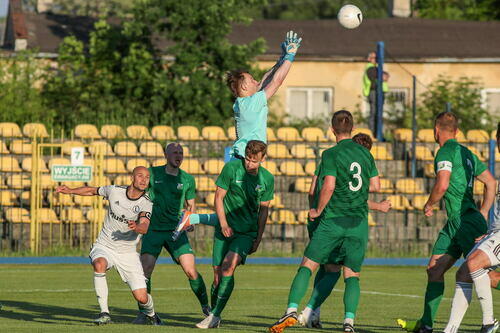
[63, 189]
[385, 206]
[132, 225]
[428, 210]
[227, 231]
[291, 45]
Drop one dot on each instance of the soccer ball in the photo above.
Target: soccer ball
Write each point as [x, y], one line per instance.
[350, 17]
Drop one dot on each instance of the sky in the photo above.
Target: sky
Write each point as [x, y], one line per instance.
[3, 7]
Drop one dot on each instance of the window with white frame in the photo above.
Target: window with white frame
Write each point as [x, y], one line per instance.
[309, 102]
[491, 100]
[398, 98]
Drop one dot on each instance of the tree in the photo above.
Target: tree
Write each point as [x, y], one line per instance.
[473, 10]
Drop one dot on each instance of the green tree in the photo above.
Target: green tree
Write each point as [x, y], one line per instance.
[474, 10]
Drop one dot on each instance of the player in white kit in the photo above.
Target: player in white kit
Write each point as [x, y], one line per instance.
[126, 220]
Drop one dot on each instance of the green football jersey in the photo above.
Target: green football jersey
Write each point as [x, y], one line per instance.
[244, 194]
[169, 194]
[352, 165]
[464, 166]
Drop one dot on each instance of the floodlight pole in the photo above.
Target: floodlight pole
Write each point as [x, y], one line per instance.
[414, 130]
[380, 93]
[491, 165]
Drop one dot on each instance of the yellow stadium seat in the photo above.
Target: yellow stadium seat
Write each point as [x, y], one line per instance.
[27, 165]
[84, 200]
[73, 184]
[276, 202]
[399, 202]
[47, 215]
[151, 148]
[20, 147]
[478, 188]
[188, 133]
[68, 145]
[478, 136]
[105, 181]
[303, 184]
[313, 134]
[288, 134]
[192, 166]
[476, 152]
[159, 162]
[292, 168]
[371, 220]
[46, 182]
[122, 180]
[135, 162]
[303, 217]
[126, 148]
[104, 146]
[386, 186]
[3, 148]
[426, 135]
[2, 182]
[213, 133]
[231, 133]
[423, 153]
[363, 130]
[410, 185]
[302, 151]
[204, 183]
[403, 134]
[8, 198]
[213, 166]
[310, 168]
[210, 199]
[494, 135]
[112, 132]
[114, 165]
[58, 161]
[419, 201]
[330, 136]
[56, 199]
[9, 164]
[461, 136]
[87, 131]
[283, 216]
[271, 136]
[205, 211]
[25, 198]
[17, 215]
[381, 153]
[93, 216]
[10, 130]
[429, 170]
[35, 129]
[73, 215]
[271, 167]
[163, 133]
[138, 132]
[278, 150]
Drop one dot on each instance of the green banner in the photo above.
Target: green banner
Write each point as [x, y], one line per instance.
[71, 173]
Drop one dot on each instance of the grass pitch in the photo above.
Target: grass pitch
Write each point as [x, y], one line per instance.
[60, 298]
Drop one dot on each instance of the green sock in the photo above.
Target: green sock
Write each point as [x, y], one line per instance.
[199, 289]
[498, 286]
[323, 289]
[351, 296]
[225, 289]
[433, 296]
[148, 285]
[207, 219]
[319, 275]
[213, 295]
[299, 287]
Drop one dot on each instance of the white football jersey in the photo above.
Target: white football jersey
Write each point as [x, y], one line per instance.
[115, 233]
[495, 224]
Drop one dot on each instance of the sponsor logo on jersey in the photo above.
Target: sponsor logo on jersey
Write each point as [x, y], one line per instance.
[239, 181]
[180, 186]
[158, 181]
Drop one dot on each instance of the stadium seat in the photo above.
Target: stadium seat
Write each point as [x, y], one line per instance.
[476, 152]
[399, 202]
[188, 133]
[3, 148]
[9, 164]
[205, 211]
[303, 216]
[271, 167]
[371, 220]
[410, 186]
[87, 131]
[138, 132]
[126, 148]
[204, 183]
[159, 162]
[213, 166]
[8, 198]
[2, 182]
[192, 166]
[271, 136]
[494, 135]
[276, 202]
[386, 186]
[478, 136]
[423, 153]
[151, 149]
[403, 134]
[73, 215]
[313, 134]
[46, 182]
[103, 145]
[73, 184]
[283, 216]
[429, 170]
[419, 201]
[47, 215]
[112, 132]
[213, 133]
[114, 165]
[330, 136]
[17, 215]
[83, 200]
[94, 217]
[58, 161]
[288, 134]
[135, 162]
[210, 199]
[56, 199]
[21, 147]
[310, 168]
[278, 150]
[303, 184]
[231, 133]
[27, 165]
[35, 129]
[66, 148]
[426, 135]
[302, 151]
[105, 181]
[10, 130]
[478, 188]
[363, 130]
[292, 168]
[461, 136]
[381, 153]
[163, 133]
[122, 180]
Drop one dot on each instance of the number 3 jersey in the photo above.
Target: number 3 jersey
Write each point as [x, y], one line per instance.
[115, 233]
[352, 165]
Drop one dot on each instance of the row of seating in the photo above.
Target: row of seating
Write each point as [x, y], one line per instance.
[424, 153]
[427, 135]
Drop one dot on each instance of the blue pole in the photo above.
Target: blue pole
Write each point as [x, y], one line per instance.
[414, 130]
[491, 167]
[380, 93]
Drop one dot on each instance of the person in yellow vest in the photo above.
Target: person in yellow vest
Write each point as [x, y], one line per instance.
[369, 88]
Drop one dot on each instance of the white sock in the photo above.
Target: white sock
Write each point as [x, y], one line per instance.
[459, 305]
[148, 308]
[307, 311]
[349, 321]
[290, 310]
[101, 291]
[482, 284]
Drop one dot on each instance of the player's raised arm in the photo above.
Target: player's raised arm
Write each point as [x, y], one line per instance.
[220, 193]
[84, 190]
[489, 192]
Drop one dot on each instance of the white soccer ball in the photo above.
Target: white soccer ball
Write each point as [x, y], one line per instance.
[350, 16]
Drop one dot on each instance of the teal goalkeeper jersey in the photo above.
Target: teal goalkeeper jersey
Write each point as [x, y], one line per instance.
[250, 114]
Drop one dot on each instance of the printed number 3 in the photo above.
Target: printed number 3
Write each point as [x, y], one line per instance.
[356, 175]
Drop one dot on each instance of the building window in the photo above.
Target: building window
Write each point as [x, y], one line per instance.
[397, 98]
[491, 100]
[305, 102]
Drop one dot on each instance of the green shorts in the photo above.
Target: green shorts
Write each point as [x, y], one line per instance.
[311, 228]
[154, 240]
[458, 236]
[239, 243]
[340, 241]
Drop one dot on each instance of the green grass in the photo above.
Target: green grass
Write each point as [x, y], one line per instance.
[60, 298]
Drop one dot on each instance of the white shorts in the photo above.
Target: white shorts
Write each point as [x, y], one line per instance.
[491, 246]
[127, 264]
